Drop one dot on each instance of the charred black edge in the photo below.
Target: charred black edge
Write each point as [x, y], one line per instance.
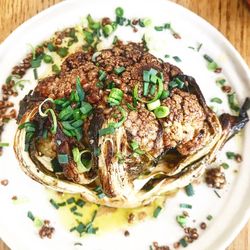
[96, 123]
[233, 124]
[28, 103]
[193, 88]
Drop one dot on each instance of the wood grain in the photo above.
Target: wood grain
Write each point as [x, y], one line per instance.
[231, 17]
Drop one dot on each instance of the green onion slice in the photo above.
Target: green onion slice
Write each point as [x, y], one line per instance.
[119, 123]
[161, 111]
[45, 114]
[153, 105]
[41, 113]
[63, 158]
[156, 97]
[77, 156]
[79, 89]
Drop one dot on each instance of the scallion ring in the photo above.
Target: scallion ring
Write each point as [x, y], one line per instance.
[77, 156]
[161, 112]
[153, 105]
[41, 113]
[45, 114]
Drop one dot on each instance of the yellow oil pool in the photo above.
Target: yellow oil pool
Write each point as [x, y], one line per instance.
[107, 219]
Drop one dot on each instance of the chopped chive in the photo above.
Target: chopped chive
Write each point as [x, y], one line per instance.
[167, 25]
[230, 155]
[224, 165]
[80, 228]
[71, 200]
[209, 217]
[66, 113]
[165, 94]
[77, 124]
[182, 220]
[86, 108]
[130, 106]
[145, 22]
[212, 66]
[73, 209]
[55, 69]
[72, 229]
[51, 47]
[119, 70]
[134, 145]
[37, 222]
[157, 211]
[161, 112]
[119, 12]
[80, 203]
[53, 203]
[30, 215]
[159, 28]
[67, 126]
[152, 90]
[184, 205]
[177, 59]
[199, 47]
[208, 58]
[36, 63]
[146, 76]
[63, 158]
[78, 244]
[183, 243]
[35, 74]
[88, 37]
[62, 51]
[48, 59]
[153, 105]
[221, 81]
[145, 88]
[233, 102]
[4, 144]
[102, 75]
[166, 56]
[216, 99]
[189, 190]
[107, 30]
[190, 47]
[106, 131]
[115, 40]
[78, 214]
[62, 204]
[79, 89]
[67, 132]
[217, 194]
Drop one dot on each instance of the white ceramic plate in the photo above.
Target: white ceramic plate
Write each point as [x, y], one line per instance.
[230, 212]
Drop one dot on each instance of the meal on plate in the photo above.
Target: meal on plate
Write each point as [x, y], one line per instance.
[115, 128]
[122, 120]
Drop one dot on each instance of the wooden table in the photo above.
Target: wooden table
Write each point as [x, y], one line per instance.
[231, 17]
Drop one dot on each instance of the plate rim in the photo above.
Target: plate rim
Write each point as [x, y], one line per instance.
[244, 217]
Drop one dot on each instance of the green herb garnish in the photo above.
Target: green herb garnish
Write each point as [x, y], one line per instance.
[4, 144]
[233, 102]
[53, 203]
[63, 158]
[157, 211]
[224, 165]
[177, 59]
[216, 99]
[182, 220]
[189, 190]
[184, 205]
